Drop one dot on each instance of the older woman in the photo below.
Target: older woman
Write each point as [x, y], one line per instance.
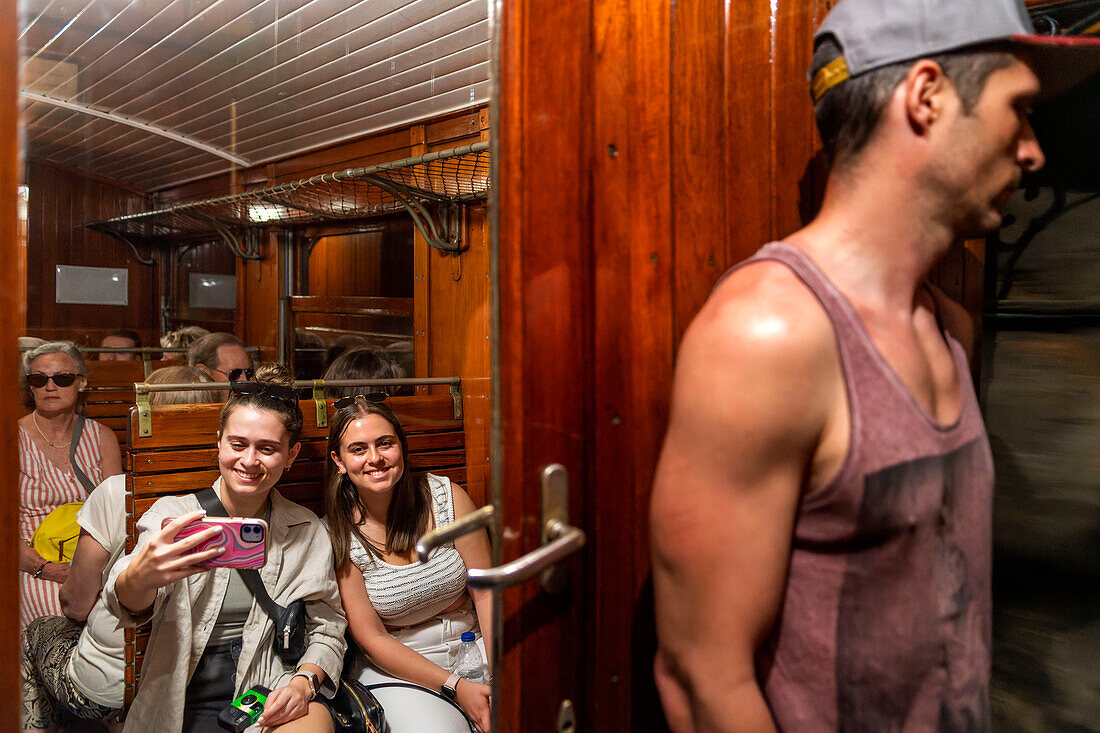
[54, 373]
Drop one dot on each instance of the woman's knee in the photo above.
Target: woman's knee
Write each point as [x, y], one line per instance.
[316, 720]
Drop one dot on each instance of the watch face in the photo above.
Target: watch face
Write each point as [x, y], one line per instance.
[448, 692]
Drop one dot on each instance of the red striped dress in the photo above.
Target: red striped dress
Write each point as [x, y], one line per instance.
[42, 488]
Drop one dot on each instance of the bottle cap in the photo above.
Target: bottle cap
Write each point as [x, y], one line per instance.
[468, 636]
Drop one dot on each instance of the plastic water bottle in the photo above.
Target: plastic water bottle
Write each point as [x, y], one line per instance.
[469, 663]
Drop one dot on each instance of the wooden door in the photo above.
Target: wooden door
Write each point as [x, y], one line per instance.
[642, 147]
[12, 321]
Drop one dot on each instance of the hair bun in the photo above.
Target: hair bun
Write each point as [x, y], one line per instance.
[273, 372]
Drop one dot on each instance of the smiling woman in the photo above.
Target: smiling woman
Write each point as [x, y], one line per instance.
[56, 445]
[215, 612]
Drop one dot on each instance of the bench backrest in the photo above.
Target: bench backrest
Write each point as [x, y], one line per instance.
[179, 456]
[110, 391]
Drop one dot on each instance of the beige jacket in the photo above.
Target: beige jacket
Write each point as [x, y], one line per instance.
[299, 565]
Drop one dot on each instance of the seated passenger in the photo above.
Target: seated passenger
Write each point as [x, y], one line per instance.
[363, 362]
[181, 338]
[221, 356]
[406, 617]
[54, 374]
[69, 666]
[210, 640]
[121, 339]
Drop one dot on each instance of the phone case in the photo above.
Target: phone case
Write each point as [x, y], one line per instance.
[245, 545]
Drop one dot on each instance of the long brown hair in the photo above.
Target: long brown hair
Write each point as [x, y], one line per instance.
[410, 505]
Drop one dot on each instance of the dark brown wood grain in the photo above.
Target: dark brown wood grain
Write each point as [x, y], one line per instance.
[12, 309]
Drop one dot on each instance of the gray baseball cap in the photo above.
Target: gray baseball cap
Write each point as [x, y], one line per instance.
[877, 33]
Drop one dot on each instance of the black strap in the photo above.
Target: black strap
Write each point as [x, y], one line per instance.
[208, 500]
[78, 430]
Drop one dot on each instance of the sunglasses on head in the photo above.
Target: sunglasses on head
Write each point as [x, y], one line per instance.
[275, 391]
[343, 402]
[237, 375]
[61, 379]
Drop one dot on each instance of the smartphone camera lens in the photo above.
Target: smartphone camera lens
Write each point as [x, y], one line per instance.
[248, 700]
[252, 532]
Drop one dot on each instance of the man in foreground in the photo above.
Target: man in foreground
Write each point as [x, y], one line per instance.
[821, 514]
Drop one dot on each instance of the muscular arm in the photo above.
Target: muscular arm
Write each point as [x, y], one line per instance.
[750, 402]
[81, 588]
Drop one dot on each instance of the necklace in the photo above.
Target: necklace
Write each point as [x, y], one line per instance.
[34, 419]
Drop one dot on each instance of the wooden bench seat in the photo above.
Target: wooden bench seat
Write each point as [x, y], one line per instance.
[180, 457]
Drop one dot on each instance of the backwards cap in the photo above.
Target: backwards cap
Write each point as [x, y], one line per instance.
[877, 33]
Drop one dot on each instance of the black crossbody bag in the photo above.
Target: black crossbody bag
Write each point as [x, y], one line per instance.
[289, 641]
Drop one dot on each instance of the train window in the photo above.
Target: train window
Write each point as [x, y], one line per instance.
[1040, 396]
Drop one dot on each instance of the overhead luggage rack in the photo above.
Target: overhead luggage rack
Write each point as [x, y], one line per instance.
[430, 187]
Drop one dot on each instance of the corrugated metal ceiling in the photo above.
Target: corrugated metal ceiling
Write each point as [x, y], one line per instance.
[158, 92]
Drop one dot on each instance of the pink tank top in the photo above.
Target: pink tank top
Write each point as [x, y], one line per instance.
[885, 624]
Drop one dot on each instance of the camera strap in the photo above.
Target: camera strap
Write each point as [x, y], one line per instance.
[208, 500]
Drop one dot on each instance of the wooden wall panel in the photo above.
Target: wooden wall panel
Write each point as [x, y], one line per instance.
[458, 337]
[258, 299]
[61, 202]
[12, 315]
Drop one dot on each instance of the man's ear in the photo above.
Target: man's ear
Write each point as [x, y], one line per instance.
[925, 91]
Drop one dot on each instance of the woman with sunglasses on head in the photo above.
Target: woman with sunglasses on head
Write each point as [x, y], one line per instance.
[211, 640]
[406, 617]
[54, 373]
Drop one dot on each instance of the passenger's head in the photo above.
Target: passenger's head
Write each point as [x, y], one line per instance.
[55, 375]
[258, 432]
[182, 375]
[368, 450]
[219, 355]
[361, 363]
[121, 339]
[848, 114]
[181, 338]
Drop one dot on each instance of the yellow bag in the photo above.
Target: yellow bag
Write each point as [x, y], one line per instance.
[55, 539]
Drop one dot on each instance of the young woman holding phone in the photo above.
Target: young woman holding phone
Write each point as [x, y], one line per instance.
[210, 639]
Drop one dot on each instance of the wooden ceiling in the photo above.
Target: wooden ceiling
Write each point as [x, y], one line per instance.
[155, 93]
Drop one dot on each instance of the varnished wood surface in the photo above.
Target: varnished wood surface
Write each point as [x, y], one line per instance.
[12, 277]
[61, 202]
[667, 143]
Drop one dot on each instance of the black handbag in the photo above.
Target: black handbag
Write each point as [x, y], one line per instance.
[289, 641]
[355, 709]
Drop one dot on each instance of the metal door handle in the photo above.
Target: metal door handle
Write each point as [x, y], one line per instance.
[475, 520]
[565, 540]
[558, 537]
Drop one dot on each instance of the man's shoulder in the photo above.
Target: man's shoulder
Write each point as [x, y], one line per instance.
[765, 307]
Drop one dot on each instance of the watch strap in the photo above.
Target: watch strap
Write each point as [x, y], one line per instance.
[311, 680]
[450, 685]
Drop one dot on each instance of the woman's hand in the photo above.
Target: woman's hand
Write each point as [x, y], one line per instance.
[473, 698]
[162, 561]
[57, 572]
[286, 703]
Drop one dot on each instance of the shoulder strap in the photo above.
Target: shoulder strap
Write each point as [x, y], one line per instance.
[208, 500]
[78, 430]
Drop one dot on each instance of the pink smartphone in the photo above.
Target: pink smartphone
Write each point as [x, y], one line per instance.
[245, 541]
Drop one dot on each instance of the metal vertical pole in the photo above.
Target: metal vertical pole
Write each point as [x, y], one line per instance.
[286, 288]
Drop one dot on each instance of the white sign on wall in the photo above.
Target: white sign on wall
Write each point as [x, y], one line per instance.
[92, 285]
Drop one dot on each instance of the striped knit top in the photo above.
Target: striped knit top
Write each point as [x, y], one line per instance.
[406, 595]
[42, 488]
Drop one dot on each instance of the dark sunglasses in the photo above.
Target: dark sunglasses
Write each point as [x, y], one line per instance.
[275, 391]
[61, 379]
[236, 375]
[343, 402]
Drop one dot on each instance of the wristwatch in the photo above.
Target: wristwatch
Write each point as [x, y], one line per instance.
[38, 571]
[448, 689]
[311, 679]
